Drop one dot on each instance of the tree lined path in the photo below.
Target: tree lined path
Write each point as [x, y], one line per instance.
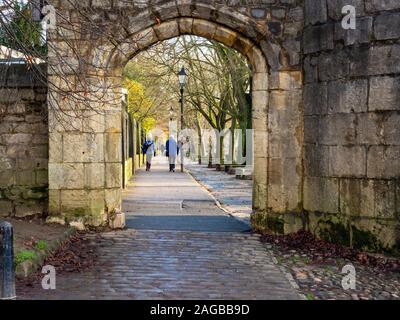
[178, 245]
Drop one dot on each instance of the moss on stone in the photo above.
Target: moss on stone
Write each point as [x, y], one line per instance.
[267, 222]
[335, 232]
[275, 224]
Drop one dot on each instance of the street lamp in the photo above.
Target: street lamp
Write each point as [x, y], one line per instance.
[171, 114]
[182, 82]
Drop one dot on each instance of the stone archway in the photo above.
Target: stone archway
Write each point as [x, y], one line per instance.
[212, 31]
[85, 184]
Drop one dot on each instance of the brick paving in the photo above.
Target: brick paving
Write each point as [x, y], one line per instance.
[209, 256]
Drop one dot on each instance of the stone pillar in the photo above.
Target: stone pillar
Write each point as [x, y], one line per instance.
[278, 154]
[85, 165]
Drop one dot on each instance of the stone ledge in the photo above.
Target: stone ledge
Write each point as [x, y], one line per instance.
[18, 76]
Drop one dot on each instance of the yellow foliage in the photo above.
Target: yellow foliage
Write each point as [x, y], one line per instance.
[139, 104]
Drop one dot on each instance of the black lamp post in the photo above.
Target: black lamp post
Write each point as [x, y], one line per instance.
[182, 82]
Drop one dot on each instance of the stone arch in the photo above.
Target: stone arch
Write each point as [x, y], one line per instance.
[277, 91]
[143, 39]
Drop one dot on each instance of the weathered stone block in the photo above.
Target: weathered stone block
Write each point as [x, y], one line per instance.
[113, 198]
[347, 161]
[284, 188]
[93, 122]
[375, 60]
[55, 147]
[310, 66]
[113, 175]
[83, 147]
[83, 204]
[387, 26]
[284, 109]
[285, 80]
[25, 177]
[113, 121]
[333, 65]
[335, 8]
[6, 208]
[94, 175]
[54, 202]
[316, 11]
[66, 176]
[384, 93]
[28, 209]
[316, 160]
[185, 25]
[260, 81]
[261, 142]
[7, 178]
[347, 96]
[311, 129]
[318, 38]
[315, 99]
[113, 149]
[321, 194]
[368, 198]
[362, 33]
[167, 30]
[118, 221]
[337, 129]
[383, 162]
[17, 138]
[381, 5]
[203, 28]
[356, 198]
[257, 60]
[378, 128]
[145, 38]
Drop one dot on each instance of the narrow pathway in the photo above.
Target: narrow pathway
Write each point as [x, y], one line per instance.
[178, 245]
[234, 195]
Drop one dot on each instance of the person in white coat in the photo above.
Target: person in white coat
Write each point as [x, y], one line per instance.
[172, 151]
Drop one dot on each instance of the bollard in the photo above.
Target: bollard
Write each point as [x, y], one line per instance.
[7, 275]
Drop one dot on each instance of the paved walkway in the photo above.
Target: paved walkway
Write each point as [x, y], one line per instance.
[179, 245]
[234, 195]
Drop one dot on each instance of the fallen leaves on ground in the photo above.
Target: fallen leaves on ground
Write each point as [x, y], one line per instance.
[321, 251]
[75, 254]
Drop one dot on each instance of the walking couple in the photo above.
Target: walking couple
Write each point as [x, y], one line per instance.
[172, 151]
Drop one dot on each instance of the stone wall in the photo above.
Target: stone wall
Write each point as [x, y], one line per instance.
[23, 142]
[325, 108]
[352, 123]
[266, 32]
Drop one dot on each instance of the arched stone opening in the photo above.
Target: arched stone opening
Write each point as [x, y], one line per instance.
[277, 122]
[212, 31]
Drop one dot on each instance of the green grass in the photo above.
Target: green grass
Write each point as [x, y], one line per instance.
[310, 296]
[41, 245]
[24, 255]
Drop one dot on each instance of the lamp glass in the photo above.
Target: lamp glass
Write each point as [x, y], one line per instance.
[182, 77]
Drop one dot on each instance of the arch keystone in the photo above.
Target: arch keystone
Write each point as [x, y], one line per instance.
[203, 28]
[225, 36]
[185, 25]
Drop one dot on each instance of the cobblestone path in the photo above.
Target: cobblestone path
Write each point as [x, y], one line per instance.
[178, 245]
